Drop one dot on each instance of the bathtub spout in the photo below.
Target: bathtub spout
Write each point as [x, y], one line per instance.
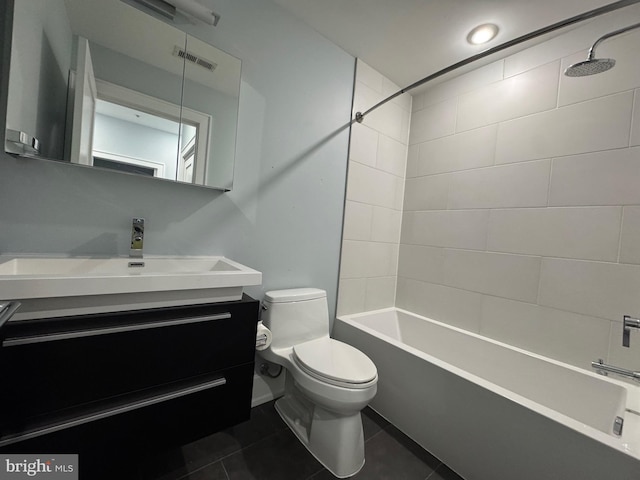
[604, 369]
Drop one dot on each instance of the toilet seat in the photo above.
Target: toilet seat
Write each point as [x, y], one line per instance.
[335, 363]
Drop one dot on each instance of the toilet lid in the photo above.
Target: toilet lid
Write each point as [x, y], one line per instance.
[336, 361]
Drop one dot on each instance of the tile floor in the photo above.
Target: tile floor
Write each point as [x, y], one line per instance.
[263, 448]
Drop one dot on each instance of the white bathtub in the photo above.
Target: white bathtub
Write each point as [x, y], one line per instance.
[494, 412]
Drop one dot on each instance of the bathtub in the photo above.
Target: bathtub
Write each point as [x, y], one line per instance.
[495, 412]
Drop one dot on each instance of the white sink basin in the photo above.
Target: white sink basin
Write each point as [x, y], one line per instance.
[85, 267]
[216, 278]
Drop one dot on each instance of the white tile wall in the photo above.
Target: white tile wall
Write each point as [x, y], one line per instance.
[591, 233]
[364, 145]
[605, 290]
[435, 121]
[520, 216]
[531, 204]
[391, 119]
[465, 229]
[386, 224]
[460, 308]
[427, 193]
[375, 189]
[392, 156]
[572, 338]
[412, 161]
[423, 263]
[463, 151]
[358, 218]
[510, 98]
[599, 124]
[523, 185]
[602, 178]
[502, 275]
[370, 77]
[630, 236]
[365, 97]
[380, 292]
[362, 259]
[351, 295]
[635, 124]
[459, 85]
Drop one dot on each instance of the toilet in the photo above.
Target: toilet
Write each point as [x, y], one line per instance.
[328, 382]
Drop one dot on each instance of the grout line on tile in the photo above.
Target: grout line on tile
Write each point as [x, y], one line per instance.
[633, 119]
[382, 429]
[434, 471]
[609, 342]
[559, 84]
[549, 179]
[226, 474]
[622, 209]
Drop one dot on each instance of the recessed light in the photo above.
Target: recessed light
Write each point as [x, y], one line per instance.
[482, 34]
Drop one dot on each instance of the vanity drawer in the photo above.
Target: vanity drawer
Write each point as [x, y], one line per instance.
[141, 422]
[55, 364]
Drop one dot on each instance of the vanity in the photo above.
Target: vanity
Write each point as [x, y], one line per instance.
[115, 354]
[119, 374]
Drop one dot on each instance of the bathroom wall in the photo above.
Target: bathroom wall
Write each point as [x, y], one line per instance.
[373, 209]
[284, 214]
[521, 215]
[45, 34]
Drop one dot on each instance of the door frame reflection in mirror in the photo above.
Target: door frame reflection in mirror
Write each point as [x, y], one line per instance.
[156, 168]
[202, 122]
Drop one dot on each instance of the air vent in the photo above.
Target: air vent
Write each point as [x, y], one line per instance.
[190, 57]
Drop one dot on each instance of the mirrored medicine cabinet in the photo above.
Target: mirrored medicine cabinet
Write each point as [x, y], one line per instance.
[101, 84]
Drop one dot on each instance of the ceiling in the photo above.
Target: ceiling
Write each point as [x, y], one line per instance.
[407, 40]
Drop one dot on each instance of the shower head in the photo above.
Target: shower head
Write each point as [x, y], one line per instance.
[590, 67]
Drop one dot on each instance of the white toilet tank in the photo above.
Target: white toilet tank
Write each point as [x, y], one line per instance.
[296, 315]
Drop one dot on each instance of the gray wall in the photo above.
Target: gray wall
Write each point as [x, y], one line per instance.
[284, 215]
[44, 35]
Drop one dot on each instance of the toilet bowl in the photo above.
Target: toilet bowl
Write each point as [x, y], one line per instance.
[328, 382]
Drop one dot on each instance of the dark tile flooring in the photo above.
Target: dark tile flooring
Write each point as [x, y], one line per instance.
[263, 448]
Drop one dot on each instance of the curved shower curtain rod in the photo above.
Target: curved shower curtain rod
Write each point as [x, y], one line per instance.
[359, 117]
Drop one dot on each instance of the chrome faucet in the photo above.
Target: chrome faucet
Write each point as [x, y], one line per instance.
[627, 324]
[137, 238]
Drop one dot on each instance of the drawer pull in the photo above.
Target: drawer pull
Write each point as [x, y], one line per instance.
[7, 309]
[12, 342]
[218, 382]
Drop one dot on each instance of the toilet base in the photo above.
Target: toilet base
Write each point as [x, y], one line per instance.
[335, 440]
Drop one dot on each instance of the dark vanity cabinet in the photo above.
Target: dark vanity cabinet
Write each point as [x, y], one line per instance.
[127, 381]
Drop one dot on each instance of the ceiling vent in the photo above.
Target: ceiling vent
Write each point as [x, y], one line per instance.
[190, 57]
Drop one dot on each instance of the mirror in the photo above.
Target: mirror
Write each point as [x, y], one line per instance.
[100, 83]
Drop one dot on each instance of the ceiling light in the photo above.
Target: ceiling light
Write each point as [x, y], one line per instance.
[482, 34]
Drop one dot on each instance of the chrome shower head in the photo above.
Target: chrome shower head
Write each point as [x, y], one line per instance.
[590, 67]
